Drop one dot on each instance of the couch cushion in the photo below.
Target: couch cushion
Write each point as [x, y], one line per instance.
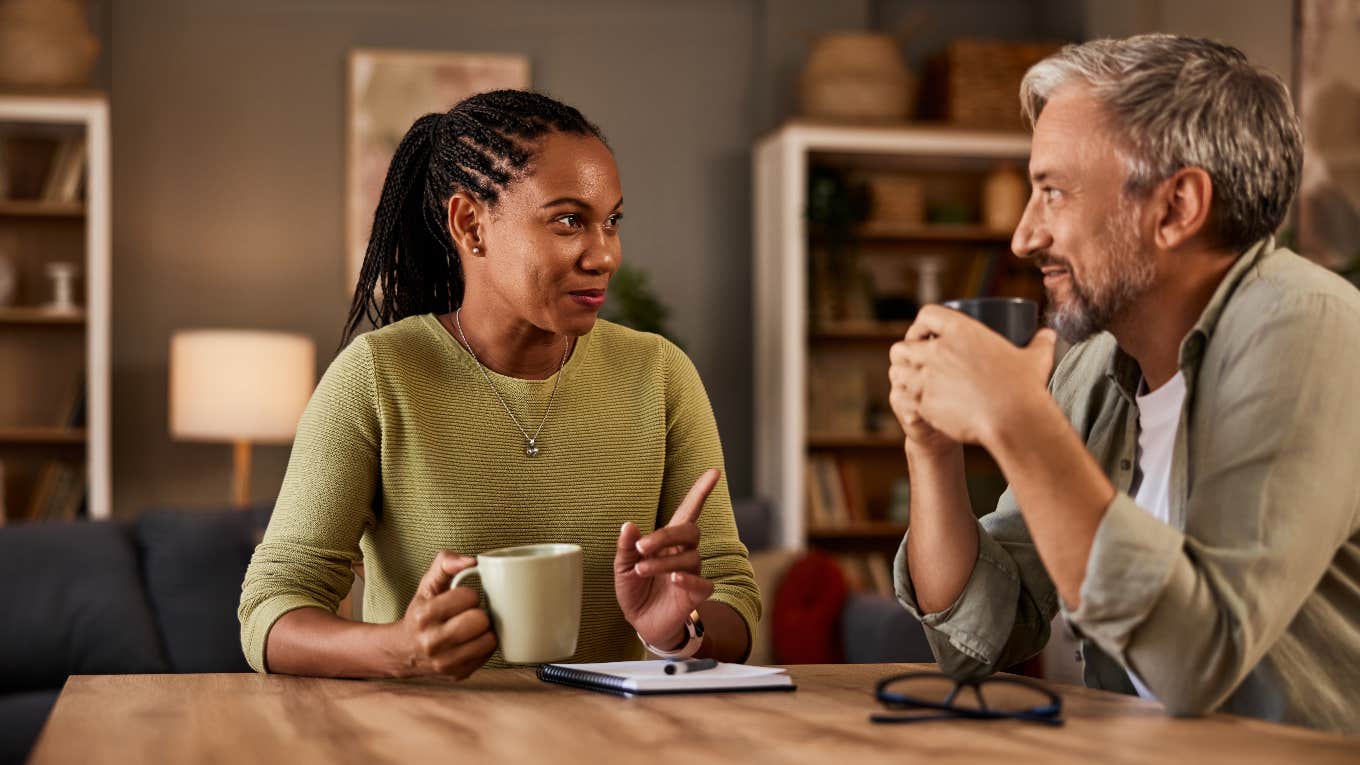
[876, 629]
[755, 523]
[194, 563]
[71, 596]
[23, 714]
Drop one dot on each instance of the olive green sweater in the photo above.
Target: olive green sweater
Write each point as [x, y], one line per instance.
[404, 451]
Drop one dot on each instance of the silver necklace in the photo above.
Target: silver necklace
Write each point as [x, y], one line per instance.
[530, 442]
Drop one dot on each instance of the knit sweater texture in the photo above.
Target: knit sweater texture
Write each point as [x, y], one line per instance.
[404, 450]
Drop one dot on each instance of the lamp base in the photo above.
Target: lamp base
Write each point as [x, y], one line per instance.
[240, 475]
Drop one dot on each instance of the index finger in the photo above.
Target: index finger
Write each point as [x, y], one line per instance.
[931, 320]
[693, 503]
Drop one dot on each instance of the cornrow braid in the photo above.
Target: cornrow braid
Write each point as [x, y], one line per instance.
[479, 147]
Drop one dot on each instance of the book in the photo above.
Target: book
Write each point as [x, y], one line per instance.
[73, 172]
[832, 491]
[42, 491]
[974, 281]
[65, 502]
[65, 172]
[853, 487]
[817, 517]
[645, 678]
[4, 169]
[56, 170]
[72, 414]
[880, 571]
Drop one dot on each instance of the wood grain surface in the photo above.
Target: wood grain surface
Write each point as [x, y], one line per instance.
[509, 716]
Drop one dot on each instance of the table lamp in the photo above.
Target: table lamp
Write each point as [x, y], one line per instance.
[240, 387]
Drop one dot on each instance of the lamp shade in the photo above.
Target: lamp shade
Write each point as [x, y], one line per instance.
[237, 385]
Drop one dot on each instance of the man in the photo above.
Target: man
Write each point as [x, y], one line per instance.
[1186, 488]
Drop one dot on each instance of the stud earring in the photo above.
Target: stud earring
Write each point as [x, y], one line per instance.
[476, 250]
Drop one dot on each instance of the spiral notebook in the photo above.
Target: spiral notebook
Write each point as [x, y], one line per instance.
[641, 678]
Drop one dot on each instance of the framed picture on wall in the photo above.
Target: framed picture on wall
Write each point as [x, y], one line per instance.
[387, 90]
[1328, 87]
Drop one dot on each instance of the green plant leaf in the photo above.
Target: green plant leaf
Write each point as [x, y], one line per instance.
[634, 304]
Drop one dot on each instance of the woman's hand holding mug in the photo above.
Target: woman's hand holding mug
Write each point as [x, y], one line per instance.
[444, 632]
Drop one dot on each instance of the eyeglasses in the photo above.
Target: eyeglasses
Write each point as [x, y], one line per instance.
[934, 696]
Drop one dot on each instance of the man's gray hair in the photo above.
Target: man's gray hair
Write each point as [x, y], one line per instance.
[1174, 102]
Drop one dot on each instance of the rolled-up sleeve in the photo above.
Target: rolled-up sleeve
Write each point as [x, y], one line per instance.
[1275, 494]
[324, 505]
[1002, 615]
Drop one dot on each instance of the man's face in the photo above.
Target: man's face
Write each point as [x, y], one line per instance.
[1081, 229]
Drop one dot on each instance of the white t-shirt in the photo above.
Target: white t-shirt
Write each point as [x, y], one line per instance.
[1159, 414]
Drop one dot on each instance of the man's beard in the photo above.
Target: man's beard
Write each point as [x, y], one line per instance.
[1125, 273]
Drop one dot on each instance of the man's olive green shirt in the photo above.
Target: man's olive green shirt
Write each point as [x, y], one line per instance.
[1248, 601]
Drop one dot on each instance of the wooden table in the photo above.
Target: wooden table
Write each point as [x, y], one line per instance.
[509, 716]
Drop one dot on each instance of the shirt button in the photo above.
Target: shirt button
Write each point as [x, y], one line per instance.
[1125, 464]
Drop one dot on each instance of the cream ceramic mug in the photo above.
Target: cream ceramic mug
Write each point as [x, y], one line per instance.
[534, 596]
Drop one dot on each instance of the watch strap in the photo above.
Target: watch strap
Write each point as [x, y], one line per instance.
[694, 630]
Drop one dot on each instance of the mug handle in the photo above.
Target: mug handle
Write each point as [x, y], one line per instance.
[465, 573]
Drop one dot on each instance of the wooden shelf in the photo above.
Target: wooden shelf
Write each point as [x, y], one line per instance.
[932, 233]
[30, 208]
[867, 441]
[42, 437]
[41, 316]
[861, 330]
[939, 232]
[47, 355]
[872, 530]
[952, 164]
[53, 95]
[975, 455]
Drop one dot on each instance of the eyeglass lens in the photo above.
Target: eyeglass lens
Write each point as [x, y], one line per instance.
[995, 696]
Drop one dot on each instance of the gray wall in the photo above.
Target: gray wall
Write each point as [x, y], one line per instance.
[228, 170]
[1262, 29]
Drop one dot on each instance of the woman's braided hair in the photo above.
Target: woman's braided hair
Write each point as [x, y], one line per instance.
[478, 147]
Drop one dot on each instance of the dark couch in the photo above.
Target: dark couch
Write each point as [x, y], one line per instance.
[155, 595]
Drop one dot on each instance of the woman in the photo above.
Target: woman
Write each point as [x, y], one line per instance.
[492, 408]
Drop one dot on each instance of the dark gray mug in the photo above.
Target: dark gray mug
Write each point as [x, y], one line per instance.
[1016, 319]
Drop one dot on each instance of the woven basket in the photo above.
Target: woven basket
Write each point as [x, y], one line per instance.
[896, 198]
[858, 77]
[45, 43]
[976, 83]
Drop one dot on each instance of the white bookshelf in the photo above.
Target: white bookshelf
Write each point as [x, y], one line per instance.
[781, 165]
[27, 227]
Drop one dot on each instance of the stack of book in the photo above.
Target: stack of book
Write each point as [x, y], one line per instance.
[66, 172]
[867, 572]
[42, 169]
[835, 493]
[58, 495]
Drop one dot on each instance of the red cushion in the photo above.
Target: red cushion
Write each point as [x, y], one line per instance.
[805, 623]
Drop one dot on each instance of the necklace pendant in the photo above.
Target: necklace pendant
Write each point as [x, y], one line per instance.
[531, 450]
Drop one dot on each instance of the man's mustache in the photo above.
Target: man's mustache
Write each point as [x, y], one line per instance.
[1045, 260]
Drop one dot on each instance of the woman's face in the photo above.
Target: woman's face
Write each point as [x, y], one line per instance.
[551, 243]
